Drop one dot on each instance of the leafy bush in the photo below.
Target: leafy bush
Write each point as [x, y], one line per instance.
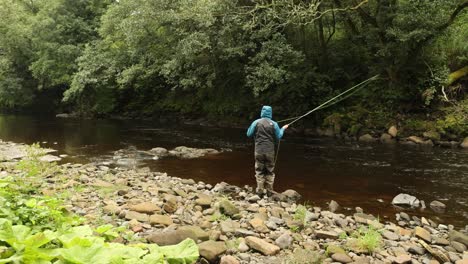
[78, 245]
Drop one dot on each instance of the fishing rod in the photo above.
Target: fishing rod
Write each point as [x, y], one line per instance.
[334, 100]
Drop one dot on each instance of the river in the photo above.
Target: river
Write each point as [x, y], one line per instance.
[320, 169]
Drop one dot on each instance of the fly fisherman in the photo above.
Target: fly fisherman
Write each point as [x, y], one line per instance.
[266, 132]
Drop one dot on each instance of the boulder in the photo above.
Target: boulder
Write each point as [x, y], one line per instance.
[112, 209]
[393, 131]
[363, 218]
[262, 246]
[160, 220]
[211, 250]
[291, 195]
[50, 158]
[464, 144]
[403, 258]
[333, 206]
[437, 206]
[406, 200]
[367, 138]
[229, 226]
[166, 238]
[170, 206]
[228, 208]
[458, 246]
[145, 207]
[390, 235]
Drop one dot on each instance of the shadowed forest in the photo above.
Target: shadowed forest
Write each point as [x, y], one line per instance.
[221, 60]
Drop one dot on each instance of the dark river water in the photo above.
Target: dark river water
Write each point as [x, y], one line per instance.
[320, 169]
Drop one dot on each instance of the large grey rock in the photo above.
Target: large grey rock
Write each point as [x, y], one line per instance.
[291, 195]
[159, 152]
[363, 218]
[326, 234]
[404, 199]
[166, 238]
[211, 250]
[390, 235]
[262, 246]
[229, 260]
[284, 241]
[229, 226]
[386, 138]
[203, 200]
[437, 206]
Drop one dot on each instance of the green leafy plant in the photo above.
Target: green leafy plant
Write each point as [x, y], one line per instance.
[368, 238]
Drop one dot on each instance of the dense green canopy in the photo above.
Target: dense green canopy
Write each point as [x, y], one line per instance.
[223, 58]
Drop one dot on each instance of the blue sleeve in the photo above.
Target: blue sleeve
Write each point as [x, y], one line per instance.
[278, 131]
[251, 130]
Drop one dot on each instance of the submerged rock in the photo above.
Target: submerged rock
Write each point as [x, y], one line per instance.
[437, 206]
[406, 200]
[367, 138]
[191, 153]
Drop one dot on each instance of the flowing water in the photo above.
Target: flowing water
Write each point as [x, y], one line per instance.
[320, 169]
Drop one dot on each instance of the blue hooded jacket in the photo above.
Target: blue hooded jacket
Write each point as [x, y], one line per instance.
[266, 131]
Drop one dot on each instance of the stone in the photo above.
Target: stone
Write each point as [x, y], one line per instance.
[166, 238]
[458, 246]
[259, 225]
[112, 209]
[243, 247]
[284, 241]
[211, 250]
[441, 241]
[393, 131]
[191, 153]
[50, 158]
[200, 233]
[405, 216]
[326, 234]
[170, 206]
[228, 208]
[229, 226]
[458, 237]
[341, 257]
[333, 206]
[415, 249]
[367, 138]
[437, 206]
[423, 234]
[416, 139]
[262, 246]
[464, 144]
[254, 198]
[363, 218]
[291, 195]
[130, 215]
[203, 200]
[160, 152]
[401, 259]
[405, 200]
[386, 138]
[160, 220]
[146, 207]
[332, 249]
[390, 235]
[229, 260]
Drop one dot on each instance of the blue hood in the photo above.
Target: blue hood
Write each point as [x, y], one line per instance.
[267, 112]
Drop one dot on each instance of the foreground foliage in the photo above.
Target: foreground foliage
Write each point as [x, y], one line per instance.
[39, 229]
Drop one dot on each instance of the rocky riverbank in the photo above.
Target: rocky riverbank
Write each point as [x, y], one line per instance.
[231, 224]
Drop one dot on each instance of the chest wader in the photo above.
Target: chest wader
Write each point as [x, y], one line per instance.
[264, 156]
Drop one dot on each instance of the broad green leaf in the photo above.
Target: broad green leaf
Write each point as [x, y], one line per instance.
[186, 252]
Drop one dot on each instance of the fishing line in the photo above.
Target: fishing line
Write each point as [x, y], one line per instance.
[334, 100]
